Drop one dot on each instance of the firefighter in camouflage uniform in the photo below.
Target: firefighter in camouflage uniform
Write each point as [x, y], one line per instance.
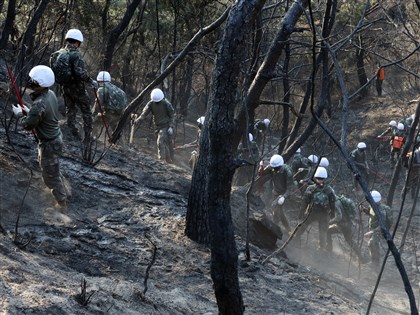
[164, 119]
[319, 200]
[75, 94]
[112, 100]
[281, 177]
[343, 223]
[375, 232]
[43, 116]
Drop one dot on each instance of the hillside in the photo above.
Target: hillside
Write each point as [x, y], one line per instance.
[125, 225]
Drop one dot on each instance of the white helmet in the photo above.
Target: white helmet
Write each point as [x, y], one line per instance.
[276, 160]
[313, 159]
[267, 121]
[400, 126]
[157, 95]
[324, 162]
[103, 76]
[321, 172]
[43, 75]
[250, 137]
[393, 123]
[201, 120]
[361, 145]
[74, 34]
[376, 196]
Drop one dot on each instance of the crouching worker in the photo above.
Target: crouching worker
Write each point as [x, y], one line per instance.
[343, 222]
[43, 117]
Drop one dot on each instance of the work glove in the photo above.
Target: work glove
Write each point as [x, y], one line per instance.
[170, 131]
[17, 110]
[95, 84]
[280, 201]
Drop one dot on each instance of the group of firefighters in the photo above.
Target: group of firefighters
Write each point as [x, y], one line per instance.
[335, 213]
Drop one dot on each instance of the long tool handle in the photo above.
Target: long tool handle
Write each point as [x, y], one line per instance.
[102, 114]
[19, 97]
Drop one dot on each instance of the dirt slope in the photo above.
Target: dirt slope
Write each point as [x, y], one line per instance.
[130, 203]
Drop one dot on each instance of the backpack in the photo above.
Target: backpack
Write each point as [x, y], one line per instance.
[397, 142]
[61, 66]
[349, 207]
[113, 97]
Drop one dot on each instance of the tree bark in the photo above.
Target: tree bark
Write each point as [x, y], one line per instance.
[28, 38]
[361, 73]
[8, 24]
[117, 30]
[218, 163]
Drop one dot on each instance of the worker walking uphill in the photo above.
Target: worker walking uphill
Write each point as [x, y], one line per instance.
[397, 142]
[343, 223]
[319, 200]
[70, 71]
[43, 116]
[112, 100]
[164, 119]
[358, 156]
[380, 76]
[281, 176]
[298, 161]
[374, 233]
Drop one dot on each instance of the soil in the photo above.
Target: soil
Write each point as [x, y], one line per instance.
[120, 246]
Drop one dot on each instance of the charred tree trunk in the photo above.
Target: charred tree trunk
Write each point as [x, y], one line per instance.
[8, 24]
[117, 30]
[220, 158]
[361, 73]
[224, 258]
[185, 87]
[28, 39]
[286, 99]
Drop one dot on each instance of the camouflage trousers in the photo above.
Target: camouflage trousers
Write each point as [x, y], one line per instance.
[373, 246]
[49, 153]
[321, 216]
[279, 215]
[78, 98]
[165, 145]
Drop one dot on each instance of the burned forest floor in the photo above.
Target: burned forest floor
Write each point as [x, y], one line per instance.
[120, 247]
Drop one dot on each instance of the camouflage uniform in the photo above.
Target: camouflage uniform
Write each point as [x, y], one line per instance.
[280, 178]
[374, 226]
[260, 133]
[113, 101]
[299, 161]
[75, 94]
[359, 158]
[244, 174]
[43, 116]
[320, 201]
[163, 118]
[343, 222]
